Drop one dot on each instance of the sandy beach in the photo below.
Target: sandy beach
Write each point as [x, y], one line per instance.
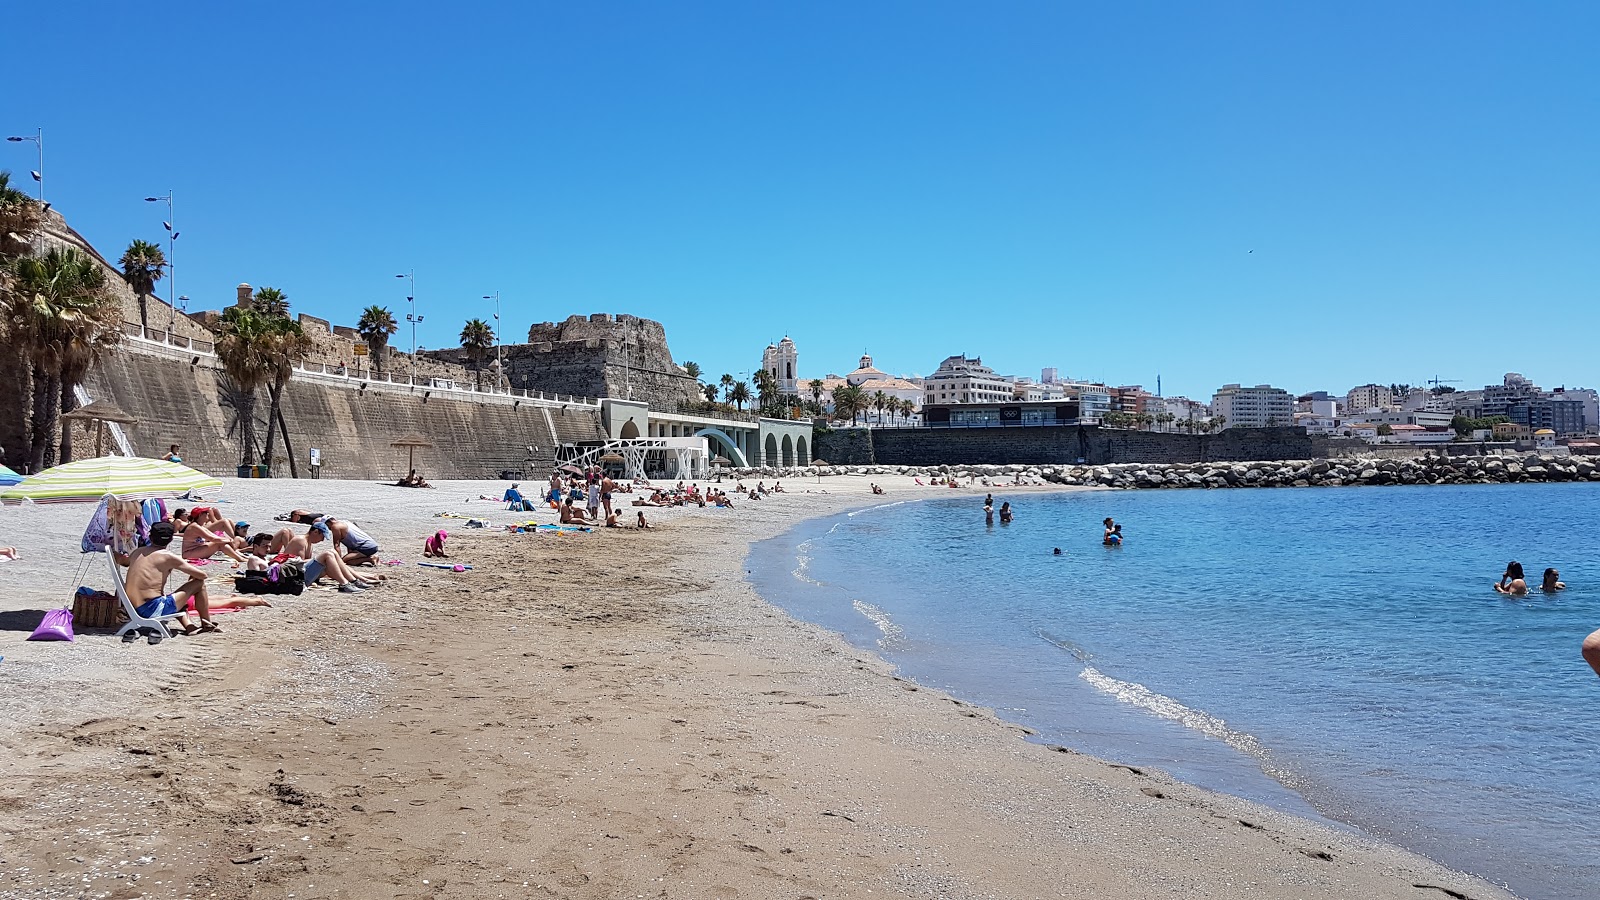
[614, 714]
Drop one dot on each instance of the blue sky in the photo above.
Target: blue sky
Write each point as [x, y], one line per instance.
[1041, 184]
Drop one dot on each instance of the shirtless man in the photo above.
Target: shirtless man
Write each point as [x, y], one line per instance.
[571, 515]
[148, 570]
[1591, 651]
[326, 561]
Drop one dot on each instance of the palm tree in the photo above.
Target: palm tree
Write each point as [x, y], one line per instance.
[476, 338]
[849, 400]
[20, 218]
[816, 390]
[726, 381]
[710, 390]
[283, 343]
[908, 408]
[739, 394]
[244, 350]
[271, 302]
[691, 369]
[375, 326]
[879, 401]
[61, 318]
[766, 389]
[143, 264]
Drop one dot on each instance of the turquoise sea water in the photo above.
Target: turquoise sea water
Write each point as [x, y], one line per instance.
[1333, 652]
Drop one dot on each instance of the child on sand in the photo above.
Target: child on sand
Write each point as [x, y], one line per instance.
[434, 545]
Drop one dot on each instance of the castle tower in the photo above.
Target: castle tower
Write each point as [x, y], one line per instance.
[782, 360]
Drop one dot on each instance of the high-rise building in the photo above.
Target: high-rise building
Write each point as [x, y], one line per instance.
[1262, 406]
[781, 360]
[1368, 396]
[1050, 375]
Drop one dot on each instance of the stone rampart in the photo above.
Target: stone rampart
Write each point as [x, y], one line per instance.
[189, 405]
[1061, 445]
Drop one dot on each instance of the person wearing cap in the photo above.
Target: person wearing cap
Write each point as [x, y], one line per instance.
[150, 566]
[326, 561]
[206, 533]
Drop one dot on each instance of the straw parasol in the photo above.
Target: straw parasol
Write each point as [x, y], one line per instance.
[818, 464]
[613, 457]
[123, 477]
[100, 412]
[721, 462]
[411, 442]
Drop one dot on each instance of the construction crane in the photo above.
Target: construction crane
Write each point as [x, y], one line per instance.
[1436, 381]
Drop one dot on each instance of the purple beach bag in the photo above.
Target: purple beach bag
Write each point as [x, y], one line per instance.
[57, 626]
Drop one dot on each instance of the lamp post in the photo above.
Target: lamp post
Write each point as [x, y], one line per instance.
[172, 266]
[499, 364]
[413, 318]
[37, 140]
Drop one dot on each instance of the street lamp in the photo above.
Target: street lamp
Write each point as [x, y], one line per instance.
[38, 174]
[172, 266]
[413, 318]
[499, 365]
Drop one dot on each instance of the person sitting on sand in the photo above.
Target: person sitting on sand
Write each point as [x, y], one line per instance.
[612, 519]
[359, 547]
[413, 480]
[1005, 513]
[1552, 582]
[777, 487]
[8, 553]
[1591, 651]
[327, 561]
[570, 515]
[877, 490]
[200, 541]
[172, 455]
[642, 522]
[1512, 581]
[258, 553]
[148, 570]
[434, 545]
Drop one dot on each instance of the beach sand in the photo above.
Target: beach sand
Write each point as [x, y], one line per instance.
[589, 716]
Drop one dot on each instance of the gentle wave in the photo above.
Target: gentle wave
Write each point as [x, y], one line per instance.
[886, 626]
[1165, 707]
[802, 563]
[852, 514]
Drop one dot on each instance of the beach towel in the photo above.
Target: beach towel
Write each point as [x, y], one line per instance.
[118, 524]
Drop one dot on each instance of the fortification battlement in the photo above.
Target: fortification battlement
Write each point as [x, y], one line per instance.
[644, 338]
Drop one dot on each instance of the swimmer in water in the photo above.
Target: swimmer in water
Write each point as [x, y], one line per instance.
[1058, 551]
[1512, 582]
[1591, 651]
[1552, 582]
[1114, 536]
[988, 515]
[1110, 527]
[1005, 513]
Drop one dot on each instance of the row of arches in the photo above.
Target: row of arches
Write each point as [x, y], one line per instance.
[790, 451]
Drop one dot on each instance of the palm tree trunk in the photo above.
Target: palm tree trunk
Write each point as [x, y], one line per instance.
[42, 400]
[44, 450]
[294, 468]
[144, 315]
[274, 392]
[69, 402]
[247, 426]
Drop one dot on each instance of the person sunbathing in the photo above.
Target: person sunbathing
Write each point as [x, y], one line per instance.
[150, 566]
[413, 480]
[8, 553]
[298, 516]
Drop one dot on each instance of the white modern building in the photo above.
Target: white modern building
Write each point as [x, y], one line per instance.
[1183, 409]
[782, 360]
[963, 379]
[1253, 407]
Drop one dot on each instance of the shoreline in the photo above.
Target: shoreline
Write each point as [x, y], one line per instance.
[593, 716]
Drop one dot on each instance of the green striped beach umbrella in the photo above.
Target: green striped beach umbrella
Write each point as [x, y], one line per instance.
[127, 478]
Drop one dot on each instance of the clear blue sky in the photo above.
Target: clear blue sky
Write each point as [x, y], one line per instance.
[1041, 184]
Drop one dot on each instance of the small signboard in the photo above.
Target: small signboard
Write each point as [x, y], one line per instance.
[359, 349]
[316, 463]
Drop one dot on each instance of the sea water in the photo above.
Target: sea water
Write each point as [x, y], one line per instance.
[1331, 652]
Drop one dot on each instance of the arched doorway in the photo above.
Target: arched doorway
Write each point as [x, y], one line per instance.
[802, 452]
[770, 457]
[630, 430]
[788, 450]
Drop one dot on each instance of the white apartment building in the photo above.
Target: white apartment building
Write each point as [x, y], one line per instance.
[1183, 409]
[1094, 400]
[1322, 409]
[962, 379]
[1253, 407]
[1034, 392]
[1368, 396]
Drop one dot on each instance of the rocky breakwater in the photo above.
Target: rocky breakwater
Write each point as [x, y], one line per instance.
[1288, 473]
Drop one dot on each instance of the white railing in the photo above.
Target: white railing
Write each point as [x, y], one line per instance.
[179, 347]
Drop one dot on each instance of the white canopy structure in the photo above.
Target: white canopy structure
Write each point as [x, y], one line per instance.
[682, 457]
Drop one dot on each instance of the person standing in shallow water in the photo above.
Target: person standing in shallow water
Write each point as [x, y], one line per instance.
[1552, 582]
[1005, 513]
[1512, 581]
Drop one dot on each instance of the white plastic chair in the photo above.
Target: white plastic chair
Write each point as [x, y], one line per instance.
[135, 621]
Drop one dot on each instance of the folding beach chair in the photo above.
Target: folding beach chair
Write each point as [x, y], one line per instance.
[135, 621]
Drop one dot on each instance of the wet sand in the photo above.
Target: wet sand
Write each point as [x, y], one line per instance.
[591, 716]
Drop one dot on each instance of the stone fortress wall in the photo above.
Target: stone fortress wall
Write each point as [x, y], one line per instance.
[1060, 445]
[601, 355]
